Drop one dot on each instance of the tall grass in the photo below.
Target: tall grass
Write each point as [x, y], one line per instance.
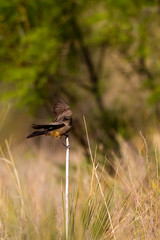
[125, 205]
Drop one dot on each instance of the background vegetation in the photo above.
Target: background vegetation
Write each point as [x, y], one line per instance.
[102, 58]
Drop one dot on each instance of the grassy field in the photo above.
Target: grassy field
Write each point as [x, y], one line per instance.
[124, 205]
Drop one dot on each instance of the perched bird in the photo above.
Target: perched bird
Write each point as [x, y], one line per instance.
[60, 126]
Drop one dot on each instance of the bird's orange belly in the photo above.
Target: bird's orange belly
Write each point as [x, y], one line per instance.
[56, 133]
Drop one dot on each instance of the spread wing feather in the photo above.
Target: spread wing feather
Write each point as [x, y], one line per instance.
[61, 109]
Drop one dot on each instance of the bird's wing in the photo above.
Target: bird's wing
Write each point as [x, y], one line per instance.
[61, 109]
[50, 127]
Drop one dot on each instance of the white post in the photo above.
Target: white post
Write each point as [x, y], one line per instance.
[67, 184]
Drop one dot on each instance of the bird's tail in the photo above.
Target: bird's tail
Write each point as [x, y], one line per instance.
[37, 133]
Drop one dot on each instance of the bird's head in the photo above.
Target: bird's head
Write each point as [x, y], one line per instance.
[67, 119]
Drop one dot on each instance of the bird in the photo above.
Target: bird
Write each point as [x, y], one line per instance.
[60, 126]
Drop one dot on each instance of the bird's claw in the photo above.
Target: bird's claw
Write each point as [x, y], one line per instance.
[64, 143]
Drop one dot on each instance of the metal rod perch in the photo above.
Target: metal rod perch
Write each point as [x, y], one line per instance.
[67, 185]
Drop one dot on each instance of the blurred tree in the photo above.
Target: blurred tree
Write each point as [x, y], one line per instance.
[52, 49]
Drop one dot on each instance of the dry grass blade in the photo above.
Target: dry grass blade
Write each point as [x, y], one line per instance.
[5, 160]
[95, 171]
[17, 181]
[147, 159]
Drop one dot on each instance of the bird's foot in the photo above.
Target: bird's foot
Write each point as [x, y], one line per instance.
[64, 143]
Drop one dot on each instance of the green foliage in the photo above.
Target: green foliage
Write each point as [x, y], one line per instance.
[155, 96]
[53, 49]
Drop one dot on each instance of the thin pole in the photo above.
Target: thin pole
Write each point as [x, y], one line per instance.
[67, 184]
